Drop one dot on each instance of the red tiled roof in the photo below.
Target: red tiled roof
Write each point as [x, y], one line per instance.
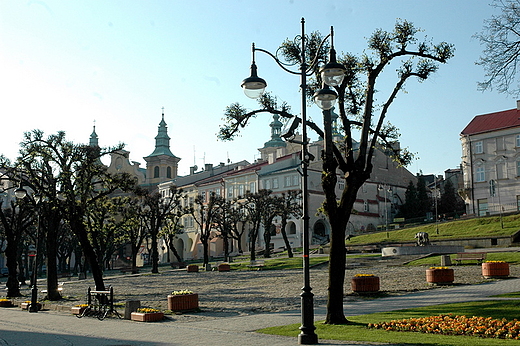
[492, 122]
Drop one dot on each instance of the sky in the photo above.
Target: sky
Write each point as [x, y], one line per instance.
[70, 65]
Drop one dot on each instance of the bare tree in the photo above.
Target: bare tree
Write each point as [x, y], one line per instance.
[359, 112]
[501, 55]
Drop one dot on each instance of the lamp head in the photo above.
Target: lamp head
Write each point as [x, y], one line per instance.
[325, 98]
[20, 192]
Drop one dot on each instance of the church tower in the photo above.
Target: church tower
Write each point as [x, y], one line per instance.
[94, 137]
[275, 147]
[161, 165]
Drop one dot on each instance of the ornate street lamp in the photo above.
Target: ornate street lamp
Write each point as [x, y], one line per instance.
[332, 74]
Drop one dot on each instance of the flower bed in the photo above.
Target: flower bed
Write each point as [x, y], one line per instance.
[183, 301]
[25, 305]
[365, 283]
[147, 315]
[440, 275]
[495, 269]
[78, 309]
[455, 325]
[5, 303]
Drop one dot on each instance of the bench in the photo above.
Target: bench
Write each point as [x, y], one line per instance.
[257, 264]
[125, 270]
[470, 256]
[100, 304]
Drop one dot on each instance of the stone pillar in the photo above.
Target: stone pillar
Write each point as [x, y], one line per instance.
[131, 306]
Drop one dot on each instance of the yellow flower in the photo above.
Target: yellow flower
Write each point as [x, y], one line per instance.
[363, 275]
[439, 268]
[148, 310]
[181, 292]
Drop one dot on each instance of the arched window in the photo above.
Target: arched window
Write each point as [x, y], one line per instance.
[156, 172]
[168, 172]
[292, 228]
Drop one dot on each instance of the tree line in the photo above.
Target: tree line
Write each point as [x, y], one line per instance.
[75, 208]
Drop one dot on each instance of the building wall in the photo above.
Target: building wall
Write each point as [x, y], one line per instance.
[491, 171]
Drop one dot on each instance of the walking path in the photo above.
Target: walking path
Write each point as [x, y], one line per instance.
[19, 327]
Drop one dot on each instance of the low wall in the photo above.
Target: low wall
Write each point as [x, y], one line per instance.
[420, 250]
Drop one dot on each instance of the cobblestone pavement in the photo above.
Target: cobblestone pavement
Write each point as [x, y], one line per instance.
[238, 293]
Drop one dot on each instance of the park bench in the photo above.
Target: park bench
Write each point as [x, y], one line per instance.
[470, 256]
[125, 270]
[100, 304]
[256, 264]
[178, 265]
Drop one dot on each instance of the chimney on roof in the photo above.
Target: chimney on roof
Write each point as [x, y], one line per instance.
[518, 105]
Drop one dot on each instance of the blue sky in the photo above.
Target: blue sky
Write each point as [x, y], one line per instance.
[66, 64]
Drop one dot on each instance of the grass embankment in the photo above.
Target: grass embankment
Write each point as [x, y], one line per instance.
[478, 227]
[358, 331]
[509, 257]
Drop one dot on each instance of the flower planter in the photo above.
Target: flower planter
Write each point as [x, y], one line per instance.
[146, 316]
[365, 284]
[25, 306]
[224, 267]
[183, 302]
[440, 276]
[6, 303]
[192, 268]
[77, 310]
[495, 270]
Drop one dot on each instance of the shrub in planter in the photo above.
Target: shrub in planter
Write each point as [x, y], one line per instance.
[440, 275]
[365, 283]
[183, 301]
[495, 269]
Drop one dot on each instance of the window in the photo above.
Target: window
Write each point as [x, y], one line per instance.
[365, 206]
[296, 180]
[252, 187]
[492, 188]
[501, 170]
[500, 142]
[518, 140]
[168, 172]
[267, 184]
[341, 184]
[156, 172]
[275, 183]
[230, 192]
[480, 174]
[479, 148]
[287, 181]
[482, 207]
[203, 195]
[518, 168]
[518, 203]
[241, 190]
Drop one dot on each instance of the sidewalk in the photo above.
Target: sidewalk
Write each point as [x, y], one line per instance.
[19, 327]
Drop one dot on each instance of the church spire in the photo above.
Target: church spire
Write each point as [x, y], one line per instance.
[94, 137]
[162, 140]
[276, 129]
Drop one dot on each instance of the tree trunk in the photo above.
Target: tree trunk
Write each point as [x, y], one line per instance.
[52, 268]
[155, 252]
[13, 286]
[88, 251]
[267, 242]
[286, 239]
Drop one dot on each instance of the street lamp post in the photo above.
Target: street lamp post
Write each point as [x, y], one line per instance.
[332, 74]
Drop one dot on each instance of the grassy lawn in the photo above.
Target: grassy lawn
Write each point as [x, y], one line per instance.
[510, 257]
[357, 330]
[488, 227]
[281, 263]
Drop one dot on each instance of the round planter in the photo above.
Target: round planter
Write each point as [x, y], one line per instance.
[183, 302]
[365, 284]
[146, 316]
[495, 270]
[440, 275]
[6, 303]
[224, 267]
[192, 268]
